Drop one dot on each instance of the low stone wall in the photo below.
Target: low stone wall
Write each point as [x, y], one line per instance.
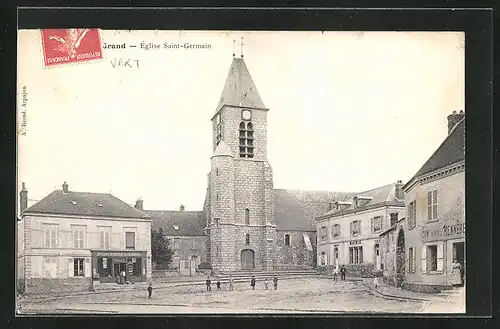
[48, 286]
[426, 288]
[358, 270]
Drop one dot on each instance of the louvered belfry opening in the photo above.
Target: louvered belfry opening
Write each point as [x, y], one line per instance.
[246, 140]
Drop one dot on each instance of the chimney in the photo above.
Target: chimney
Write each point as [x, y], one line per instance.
[65, 188]
[399, 190]
[453, 119]
[139, 204]
[182, 207]
[23, 199]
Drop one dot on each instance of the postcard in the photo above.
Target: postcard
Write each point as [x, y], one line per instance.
[240, 172]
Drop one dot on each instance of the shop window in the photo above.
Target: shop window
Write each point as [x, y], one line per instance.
[432, 258]
[78, 269]
[129, 240]
[356, 255]
[432, 199]
[287, 239]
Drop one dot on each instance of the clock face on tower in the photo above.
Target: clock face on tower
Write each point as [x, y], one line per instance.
[246, 114]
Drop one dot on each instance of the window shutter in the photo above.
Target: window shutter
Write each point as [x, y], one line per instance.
[414, 260]
[350, 227]
[440, 257]
[371, 224]
[53, 237]
[86, 267]
[47, 238]
[382, 223]
[423, 256]
[70, 268]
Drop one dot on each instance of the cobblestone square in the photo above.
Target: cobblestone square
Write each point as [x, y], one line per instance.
[305, 295]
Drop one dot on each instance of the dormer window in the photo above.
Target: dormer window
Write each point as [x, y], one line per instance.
[246, 140]
[359, 200]
[73, 202]
[176, 227]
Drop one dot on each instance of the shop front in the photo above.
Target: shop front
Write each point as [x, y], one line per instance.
[107, 265]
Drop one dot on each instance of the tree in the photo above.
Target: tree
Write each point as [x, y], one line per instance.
[161, 254]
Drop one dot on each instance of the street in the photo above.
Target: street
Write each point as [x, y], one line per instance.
[303, 295]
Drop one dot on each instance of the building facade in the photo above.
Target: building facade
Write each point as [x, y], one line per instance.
[185, 231]
[68, 240]
[432, 235]
[349, 234]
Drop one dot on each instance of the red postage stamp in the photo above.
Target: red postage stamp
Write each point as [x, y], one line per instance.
[63, 46]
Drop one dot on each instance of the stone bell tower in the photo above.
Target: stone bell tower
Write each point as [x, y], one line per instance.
[241, 231]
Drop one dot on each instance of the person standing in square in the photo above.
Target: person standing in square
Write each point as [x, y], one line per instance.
[150, 290]
[231, 283]
[209, 282]
[218, 285]
[275, 282]
[252, 282]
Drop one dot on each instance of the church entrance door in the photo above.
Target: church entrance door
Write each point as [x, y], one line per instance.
[247, 259]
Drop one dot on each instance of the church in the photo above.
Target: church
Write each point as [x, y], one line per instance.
[247, 224]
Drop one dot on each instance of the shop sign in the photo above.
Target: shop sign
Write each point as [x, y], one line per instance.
[118, 254]
[353, 242]
[442, 232]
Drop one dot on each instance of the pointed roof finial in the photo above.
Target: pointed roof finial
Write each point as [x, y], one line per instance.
[242, 47]
[234, 52]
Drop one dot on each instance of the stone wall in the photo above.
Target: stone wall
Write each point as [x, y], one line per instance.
[47, 286]
[296, 255]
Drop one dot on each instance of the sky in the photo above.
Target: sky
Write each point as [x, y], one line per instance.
[348, 111]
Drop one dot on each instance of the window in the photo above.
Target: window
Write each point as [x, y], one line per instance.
[356, 227]
[356, 255]
[432, 258]
[247, 216]
[129, 240]
[323, 258]
[376, 224]
[51, 267]
[432, 205]
[104, 237]
[78, 233]
[217, 197]
[176, 243]
[50, 233]
[336, 230]
[412, 214]
[218, 129]
[394, 218]
[247, 239]
[246, 140]
[411, 260]
[287, 239]
[216, 221]
[78, 267]
[216, 171]
[323, 233]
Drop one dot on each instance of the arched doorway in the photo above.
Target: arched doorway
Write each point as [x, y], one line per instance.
[247, 259]
[378, 258]
[400, 257]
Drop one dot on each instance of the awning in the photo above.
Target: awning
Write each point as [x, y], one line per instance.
[307, 241]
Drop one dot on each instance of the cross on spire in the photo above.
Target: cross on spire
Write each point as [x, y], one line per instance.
[242, 47]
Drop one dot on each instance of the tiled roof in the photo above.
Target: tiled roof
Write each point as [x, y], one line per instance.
[223, 149]
[295, 210]
[178, 223]
[379, 195]
[239, 89]
[451, 151]
[85, 204]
